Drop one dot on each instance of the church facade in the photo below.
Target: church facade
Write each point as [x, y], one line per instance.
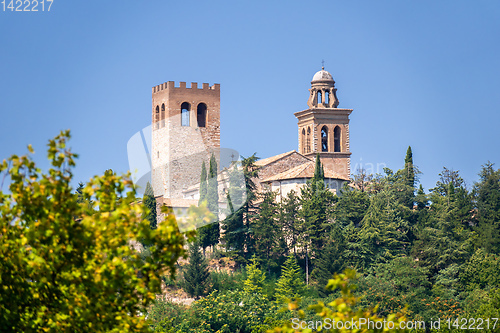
[186, 132]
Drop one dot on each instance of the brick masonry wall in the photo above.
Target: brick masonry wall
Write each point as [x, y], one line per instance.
[178, 151]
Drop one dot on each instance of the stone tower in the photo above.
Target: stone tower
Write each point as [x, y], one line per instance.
[324, 128]
[186, 131]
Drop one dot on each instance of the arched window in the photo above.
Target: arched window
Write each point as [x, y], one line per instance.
[327, 97]
[201, 114]
[308, 140]
[303, 141]
[162, 115]
[185, 109]
[324, 138]
[157, 116]
[336, 139]
[320, 99]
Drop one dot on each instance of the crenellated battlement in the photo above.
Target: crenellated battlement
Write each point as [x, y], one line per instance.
[170, 85]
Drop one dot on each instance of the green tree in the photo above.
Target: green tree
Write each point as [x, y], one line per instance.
[65, 274]
[346, 306]
[266, 232]
[81, 199]
[290, 284]
[351, 206]
[209, 234]
[150, 203]
[288, 215]
[203, 184]
[255, 277]
[445, 238]
[235, 231]
[196, 275]
[316, 202]
[242, 209]
[487, 196]
[481, 271]
[409, 178]
[383, 228]
[331, 260]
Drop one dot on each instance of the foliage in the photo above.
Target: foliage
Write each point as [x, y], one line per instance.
[66, 274]
[342, 309]
[163, 315]
[351, 206]
[209, 234]
[288, 214]
[196, 274]
[487, 196]
[224, 281]
[481, 271]
[266, 231]
[291, 284]
[330, 261]
[150, 203]
[237, 238]
[394, 285]
[314, 215]
[255, 277]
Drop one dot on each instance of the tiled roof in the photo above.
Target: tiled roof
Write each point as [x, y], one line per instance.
[272, 159]
[305, 170]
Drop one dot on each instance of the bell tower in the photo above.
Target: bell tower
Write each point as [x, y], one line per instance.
[323, 127]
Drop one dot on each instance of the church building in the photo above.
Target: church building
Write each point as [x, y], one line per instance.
[186, 132]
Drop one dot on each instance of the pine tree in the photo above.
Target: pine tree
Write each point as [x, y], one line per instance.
[266, 231]
[255, 278]
[234, 230]
[196, 274]
[241, 197]
[287, 219]
[351, 206]
[150, 202]
[445, 237]
[82, 199]
[383, 228]
[487, 195]
[290, 284]
[331, 260]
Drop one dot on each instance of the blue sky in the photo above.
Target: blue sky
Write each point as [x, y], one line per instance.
[421, 73]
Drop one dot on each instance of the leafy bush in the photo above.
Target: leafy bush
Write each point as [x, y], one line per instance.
[67, 267]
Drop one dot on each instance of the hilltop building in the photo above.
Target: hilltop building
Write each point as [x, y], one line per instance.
[186, 131]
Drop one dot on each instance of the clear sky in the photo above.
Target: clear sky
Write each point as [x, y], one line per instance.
[419, 73]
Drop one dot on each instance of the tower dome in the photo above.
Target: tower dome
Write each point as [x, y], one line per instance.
[322, 75]
[323, 93]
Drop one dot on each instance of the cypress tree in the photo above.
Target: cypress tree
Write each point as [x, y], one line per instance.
[204, 231]
[203, 184]
[150, 202]
[213, 201]
[316, 201]
[196, 274]
[409, 178]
